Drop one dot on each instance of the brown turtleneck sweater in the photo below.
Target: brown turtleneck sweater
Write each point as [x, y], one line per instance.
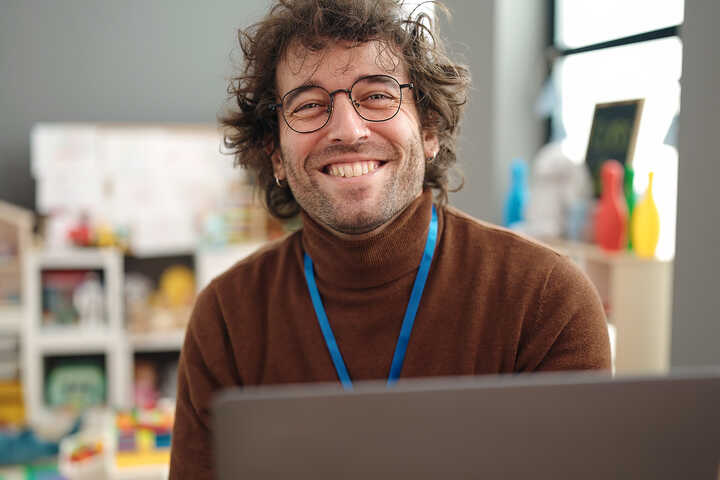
[494, 302]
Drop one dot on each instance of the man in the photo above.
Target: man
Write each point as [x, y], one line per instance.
[348, 114]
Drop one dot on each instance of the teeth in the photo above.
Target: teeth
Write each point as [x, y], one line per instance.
[355, 169]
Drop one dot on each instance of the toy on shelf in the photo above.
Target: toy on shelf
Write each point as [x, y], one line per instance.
[611, 215]
[517, 198]
[75, 383]
[145, 388]
[167, 308]
[646, 224]
[12, 410]
[138, 289]
[81, 235]
[89, 301]
[36, 443]
[86, 233]
[23, 446]
[72, 297]
[177, 285]
[143, 436]
[83, 456]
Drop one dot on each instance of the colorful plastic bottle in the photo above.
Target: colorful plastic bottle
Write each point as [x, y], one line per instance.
[518, 195]
[629, 192]
[611, 215]
[646, 224]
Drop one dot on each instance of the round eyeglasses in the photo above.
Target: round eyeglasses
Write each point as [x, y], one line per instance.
[307, 109]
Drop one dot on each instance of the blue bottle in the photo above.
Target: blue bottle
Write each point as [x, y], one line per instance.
[517, 197]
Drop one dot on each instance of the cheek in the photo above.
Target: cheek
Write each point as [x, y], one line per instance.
[295, 149]
[402, 132]
[405, 123]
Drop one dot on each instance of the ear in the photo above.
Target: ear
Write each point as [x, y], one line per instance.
[431, 143]
[276, 158]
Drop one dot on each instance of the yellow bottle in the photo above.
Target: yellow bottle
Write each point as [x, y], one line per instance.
[646, 224]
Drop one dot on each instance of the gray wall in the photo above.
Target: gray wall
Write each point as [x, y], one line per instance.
[503, 42]
[118, 61]
[520, 70]
[470, 35]
[696, 307]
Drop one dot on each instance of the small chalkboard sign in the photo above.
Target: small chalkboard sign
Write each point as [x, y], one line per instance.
[612, 136]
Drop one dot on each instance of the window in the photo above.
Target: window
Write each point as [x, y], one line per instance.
[641, 64]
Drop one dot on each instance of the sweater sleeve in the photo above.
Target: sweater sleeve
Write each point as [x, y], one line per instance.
[206, 365]
[569, 329]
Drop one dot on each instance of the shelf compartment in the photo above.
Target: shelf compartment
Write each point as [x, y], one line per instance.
[163, 341]
[74, 340]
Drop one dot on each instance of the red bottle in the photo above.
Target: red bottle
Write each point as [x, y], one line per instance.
[611, 217]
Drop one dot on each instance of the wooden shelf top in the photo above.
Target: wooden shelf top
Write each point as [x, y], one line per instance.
[588, 251]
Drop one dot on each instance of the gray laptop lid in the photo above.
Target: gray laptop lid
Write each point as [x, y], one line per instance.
[542, 426]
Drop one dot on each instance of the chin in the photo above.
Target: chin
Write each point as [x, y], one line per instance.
[359, 223]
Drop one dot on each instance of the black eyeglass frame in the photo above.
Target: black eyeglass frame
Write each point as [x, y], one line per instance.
[275, 106]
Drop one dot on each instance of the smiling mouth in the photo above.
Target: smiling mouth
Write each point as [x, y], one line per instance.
[352, 169]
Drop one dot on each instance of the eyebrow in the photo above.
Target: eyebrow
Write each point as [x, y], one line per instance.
[310, 83]
[306, 84]
[298, 90]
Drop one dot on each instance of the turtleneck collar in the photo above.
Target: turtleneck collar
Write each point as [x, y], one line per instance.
[372, 261]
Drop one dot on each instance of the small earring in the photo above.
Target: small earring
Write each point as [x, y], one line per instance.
[277, 181]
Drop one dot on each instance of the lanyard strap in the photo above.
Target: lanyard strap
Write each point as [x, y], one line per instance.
[408, 320]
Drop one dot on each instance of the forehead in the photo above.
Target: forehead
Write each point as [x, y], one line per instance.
[337, 64]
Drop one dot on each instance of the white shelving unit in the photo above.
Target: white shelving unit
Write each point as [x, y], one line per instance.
[106, 339]
[638, 292]
[110, 338]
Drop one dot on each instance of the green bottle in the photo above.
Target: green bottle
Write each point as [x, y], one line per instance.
[629, 199]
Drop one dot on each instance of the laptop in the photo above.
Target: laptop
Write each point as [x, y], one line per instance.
[539, 426]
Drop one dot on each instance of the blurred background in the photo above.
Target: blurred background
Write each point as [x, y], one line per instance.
[591, 126]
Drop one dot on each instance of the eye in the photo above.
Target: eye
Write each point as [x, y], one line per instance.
[310, 108]
[377, 97]
[307, 106]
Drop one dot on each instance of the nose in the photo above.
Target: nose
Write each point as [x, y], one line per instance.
[345, 125]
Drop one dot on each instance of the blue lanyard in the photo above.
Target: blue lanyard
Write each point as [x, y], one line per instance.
[408, 320]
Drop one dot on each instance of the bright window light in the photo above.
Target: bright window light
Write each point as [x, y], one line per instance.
[419, 6]
[585, 22]
[649, 70]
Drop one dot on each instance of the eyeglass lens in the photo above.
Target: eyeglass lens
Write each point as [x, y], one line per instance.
[375, 99]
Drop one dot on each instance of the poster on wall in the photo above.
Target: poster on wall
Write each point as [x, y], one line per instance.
[157, 182]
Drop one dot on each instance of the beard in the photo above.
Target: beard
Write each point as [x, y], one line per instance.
[355, 210]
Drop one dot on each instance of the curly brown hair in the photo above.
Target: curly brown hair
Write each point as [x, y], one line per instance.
[440, 86]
